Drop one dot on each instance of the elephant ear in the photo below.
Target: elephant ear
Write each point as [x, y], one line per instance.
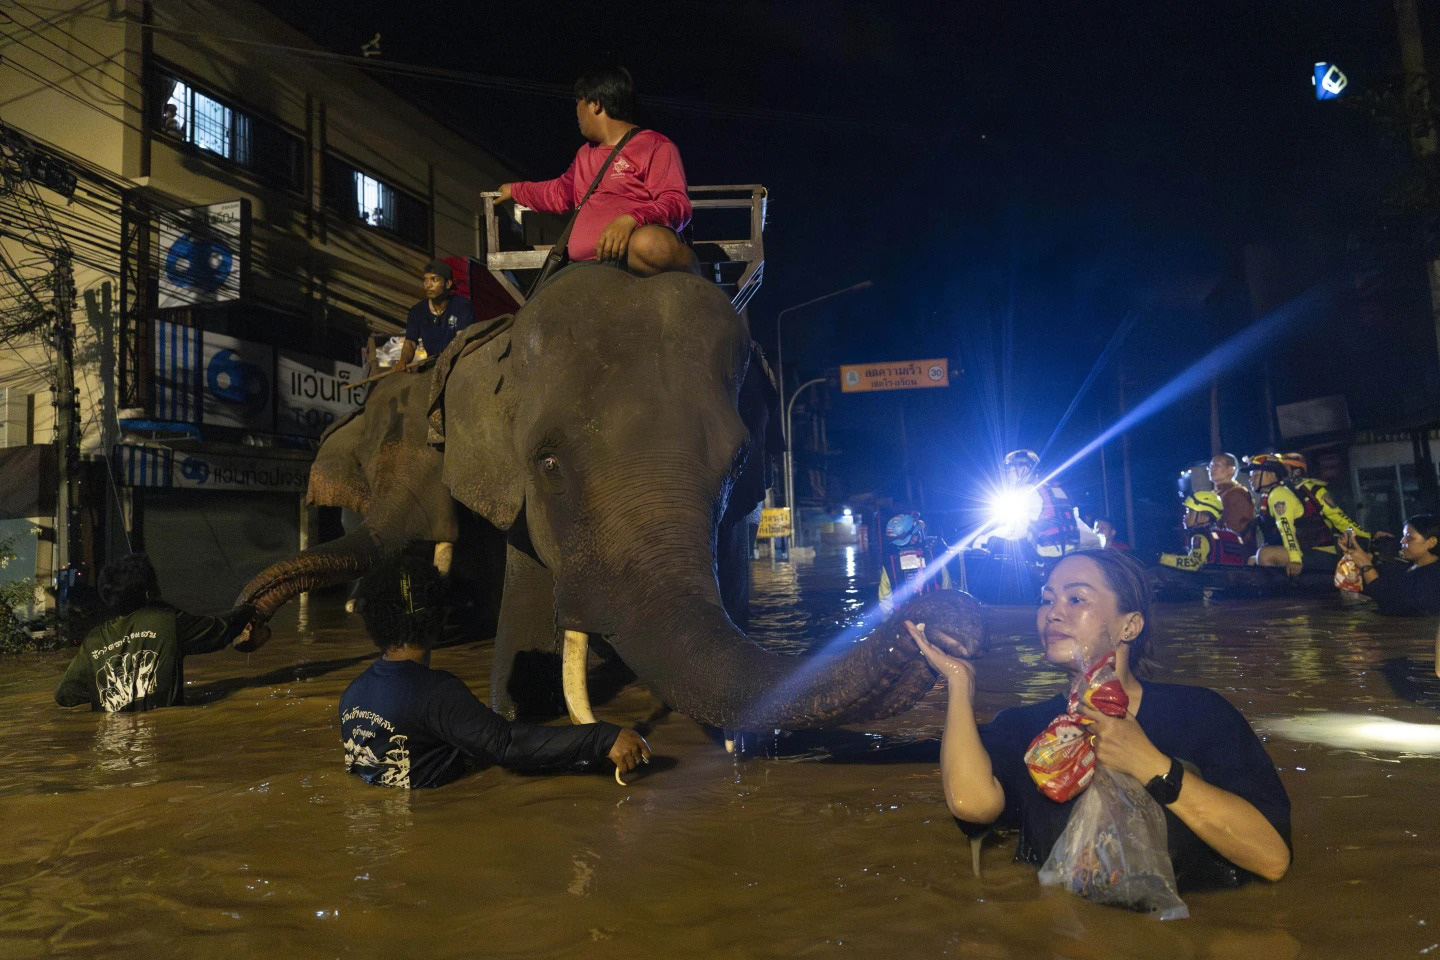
[472, 416]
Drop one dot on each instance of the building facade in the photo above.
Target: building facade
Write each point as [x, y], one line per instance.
[212, 219]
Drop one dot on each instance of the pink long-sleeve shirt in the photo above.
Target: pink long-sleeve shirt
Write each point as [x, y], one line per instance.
[645, 181]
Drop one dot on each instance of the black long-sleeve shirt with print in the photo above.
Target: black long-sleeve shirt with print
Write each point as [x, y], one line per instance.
[136, 661]
[406, 725]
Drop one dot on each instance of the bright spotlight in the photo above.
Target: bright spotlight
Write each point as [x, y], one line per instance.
[846, 512]
[1013, 509]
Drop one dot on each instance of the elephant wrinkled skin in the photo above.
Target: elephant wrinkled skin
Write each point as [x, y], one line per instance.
[619, 433]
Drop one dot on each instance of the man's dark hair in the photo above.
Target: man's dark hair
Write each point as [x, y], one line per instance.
[612, 87]
[404, 604]
[127, 583]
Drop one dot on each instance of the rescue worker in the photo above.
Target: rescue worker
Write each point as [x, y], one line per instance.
[909, 556]
[1055, 529]
[1300, 521]
[1210, 541]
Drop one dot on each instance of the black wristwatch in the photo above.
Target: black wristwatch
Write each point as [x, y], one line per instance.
[1166, 789]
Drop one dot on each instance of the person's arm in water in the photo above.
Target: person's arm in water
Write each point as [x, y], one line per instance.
[971, 791]
[1229, 824]
[457, 716]
[207, 634]
[78, 685]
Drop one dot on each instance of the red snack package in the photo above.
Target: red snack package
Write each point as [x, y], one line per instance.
[1060, 758]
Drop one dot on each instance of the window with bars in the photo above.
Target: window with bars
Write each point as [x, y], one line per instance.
[367, 199]
[196, 117]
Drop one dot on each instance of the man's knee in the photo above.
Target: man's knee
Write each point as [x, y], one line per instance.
[655, 249]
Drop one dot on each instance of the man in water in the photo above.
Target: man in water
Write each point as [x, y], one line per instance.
[635, 215]
[404, 724]
[135, 660]
[435, 320]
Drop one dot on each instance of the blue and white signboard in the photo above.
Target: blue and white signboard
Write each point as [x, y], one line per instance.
[166, 468]
[235, 387]
[203, 252]
[311, 393]
[1329, 81]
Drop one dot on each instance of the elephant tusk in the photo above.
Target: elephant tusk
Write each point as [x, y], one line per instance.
[443, 557]
[572, 676]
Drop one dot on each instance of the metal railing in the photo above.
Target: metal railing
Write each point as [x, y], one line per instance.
[737, 265]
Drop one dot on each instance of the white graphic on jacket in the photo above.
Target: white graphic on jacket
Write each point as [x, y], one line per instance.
[394, 767]
[126, 678]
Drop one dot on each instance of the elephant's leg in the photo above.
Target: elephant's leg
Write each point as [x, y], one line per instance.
[525, 680]
[732, 547]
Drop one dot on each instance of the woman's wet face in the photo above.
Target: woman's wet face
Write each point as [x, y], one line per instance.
[1079, 620]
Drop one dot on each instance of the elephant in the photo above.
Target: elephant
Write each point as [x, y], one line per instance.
[618, 431]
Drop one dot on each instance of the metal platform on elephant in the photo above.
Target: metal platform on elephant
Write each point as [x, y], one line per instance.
[515, 251]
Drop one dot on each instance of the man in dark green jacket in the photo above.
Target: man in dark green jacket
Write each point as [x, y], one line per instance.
[135, 660]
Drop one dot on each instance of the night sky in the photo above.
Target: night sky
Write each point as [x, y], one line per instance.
[1017, 180]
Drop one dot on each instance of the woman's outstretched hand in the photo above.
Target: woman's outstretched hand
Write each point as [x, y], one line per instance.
[946, 665]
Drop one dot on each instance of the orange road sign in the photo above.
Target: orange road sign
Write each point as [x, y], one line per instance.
[895, 375]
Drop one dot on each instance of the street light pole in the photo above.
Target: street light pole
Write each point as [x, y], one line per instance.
[780, 383]
[790, 460]
[780, 339]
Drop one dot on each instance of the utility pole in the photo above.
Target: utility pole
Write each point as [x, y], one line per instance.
[1423, 143]
[67, 433]
[1422, 123]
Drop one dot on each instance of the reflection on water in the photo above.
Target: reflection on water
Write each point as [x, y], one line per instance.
[230, 828]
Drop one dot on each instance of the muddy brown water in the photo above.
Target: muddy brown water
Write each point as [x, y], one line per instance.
[230, 828]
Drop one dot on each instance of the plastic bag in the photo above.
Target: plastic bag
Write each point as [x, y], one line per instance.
[1348, 576]
[1061, 759]
[1113, 851]
[388, 353]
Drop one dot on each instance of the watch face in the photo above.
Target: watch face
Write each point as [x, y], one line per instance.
[1166, 789]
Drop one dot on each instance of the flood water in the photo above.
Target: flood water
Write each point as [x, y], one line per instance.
[230, 828]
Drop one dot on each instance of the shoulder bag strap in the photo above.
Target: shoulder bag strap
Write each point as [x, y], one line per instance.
[557, 252]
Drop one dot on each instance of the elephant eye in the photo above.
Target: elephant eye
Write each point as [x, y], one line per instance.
[549, 463]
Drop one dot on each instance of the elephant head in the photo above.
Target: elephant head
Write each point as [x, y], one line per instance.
[613, 432]
[377, 464]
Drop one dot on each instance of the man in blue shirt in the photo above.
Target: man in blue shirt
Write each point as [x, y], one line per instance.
[404, 724]
[435, 320]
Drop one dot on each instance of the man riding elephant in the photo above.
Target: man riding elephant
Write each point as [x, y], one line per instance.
[618, 432]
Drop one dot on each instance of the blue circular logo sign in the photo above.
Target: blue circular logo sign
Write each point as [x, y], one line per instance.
[203, 264]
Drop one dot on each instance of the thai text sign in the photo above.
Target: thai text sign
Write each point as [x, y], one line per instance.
[774, 522]
[897, 375]
[207, 471]
[312, 392]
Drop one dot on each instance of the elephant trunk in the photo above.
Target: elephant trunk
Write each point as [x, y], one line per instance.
[336, 561]
[728, 681]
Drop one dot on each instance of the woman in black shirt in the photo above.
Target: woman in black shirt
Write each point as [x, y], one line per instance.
[1227, 813]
